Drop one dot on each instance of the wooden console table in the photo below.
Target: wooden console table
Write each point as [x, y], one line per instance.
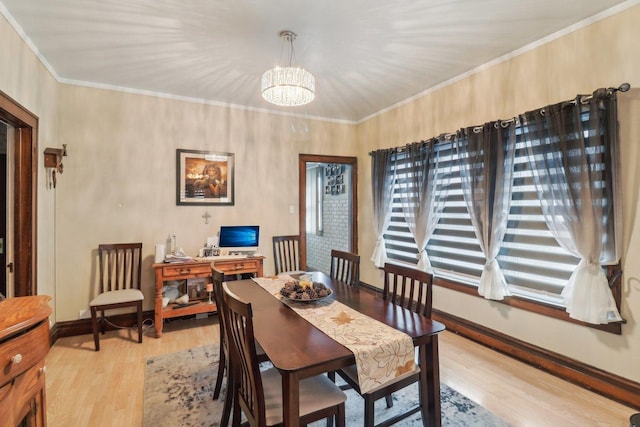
[24, 343]
[192, 270]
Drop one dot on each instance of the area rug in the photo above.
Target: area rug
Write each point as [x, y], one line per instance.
[178, 392]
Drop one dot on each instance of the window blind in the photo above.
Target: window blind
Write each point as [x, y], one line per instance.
[534, 265]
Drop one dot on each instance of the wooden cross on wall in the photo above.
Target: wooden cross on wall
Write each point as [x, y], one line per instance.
[206, 215]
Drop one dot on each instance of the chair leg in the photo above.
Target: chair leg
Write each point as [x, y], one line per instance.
[330, 420]
[340, 416]
[368, 411]
[221, 369]
[140, 322]
[389, 399]
[228, 403]
[94, 327]
[237, 413]
[102, 322]
[423, 393]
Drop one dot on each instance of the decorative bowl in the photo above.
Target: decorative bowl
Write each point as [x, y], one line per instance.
[304, 291]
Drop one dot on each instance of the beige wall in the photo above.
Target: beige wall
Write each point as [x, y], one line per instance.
[119, 179]
[604, 54]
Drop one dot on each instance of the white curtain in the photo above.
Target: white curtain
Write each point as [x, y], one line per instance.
[422, 202]
[485, 157]
[577, 180]
[382, 179]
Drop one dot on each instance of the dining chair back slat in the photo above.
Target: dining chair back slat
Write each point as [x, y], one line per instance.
[286, 253]
[345, 266]
[120, 266]
[408, 288]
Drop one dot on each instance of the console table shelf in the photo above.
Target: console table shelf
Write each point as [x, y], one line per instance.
[200, 307]
[195, 269]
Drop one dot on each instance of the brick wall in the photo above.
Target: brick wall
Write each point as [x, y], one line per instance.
[336, 214]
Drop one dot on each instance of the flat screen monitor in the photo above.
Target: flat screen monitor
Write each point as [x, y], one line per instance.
[239, 238]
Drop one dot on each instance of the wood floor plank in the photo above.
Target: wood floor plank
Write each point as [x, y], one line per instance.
[105, 388]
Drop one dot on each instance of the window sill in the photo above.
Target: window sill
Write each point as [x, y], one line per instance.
[533, 306]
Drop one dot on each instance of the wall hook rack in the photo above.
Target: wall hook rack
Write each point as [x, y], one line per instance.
[53, 163]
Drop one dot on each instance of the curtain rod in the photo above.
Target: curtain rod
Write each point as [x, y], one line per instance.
[624, 87]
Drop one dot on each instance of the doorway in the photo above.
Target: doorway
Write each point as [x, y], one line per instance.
[6, 134]
[328, 208]
[21, 163]
[4, 278]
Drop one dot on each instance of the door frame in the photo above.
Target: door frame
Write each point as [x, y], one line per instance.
[303, 159]
[25, 204]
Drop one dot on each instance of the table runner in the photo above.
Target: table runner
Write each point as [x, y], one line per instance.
[382, 353]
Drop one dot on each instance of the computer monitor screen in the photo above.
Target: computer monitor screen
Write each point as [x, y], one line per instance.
[239, 237]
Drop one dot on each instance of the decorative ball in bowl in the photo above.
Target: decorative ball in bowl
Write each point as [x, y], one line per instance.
[304, 291]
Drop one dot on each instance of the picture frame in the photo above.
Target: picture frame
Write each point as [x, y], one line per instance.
[205, 178]
[197, 289]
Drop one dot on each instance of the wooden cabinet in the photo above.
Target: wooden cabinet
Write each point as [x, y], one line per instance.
[24, 343]
[192, 270]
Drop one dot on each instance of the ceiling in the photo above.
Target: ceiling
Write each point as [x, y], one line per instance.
[366, 55]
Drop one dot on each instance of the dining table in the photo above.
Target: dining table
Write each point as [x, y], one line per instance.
[299, 350]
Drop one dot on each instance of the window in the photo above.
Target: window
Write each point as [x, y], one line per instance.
[534, 264]
[314, 200]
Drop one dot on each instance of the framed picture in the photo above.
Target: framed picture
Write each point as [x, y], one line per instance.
[204, 178]
[197, 289]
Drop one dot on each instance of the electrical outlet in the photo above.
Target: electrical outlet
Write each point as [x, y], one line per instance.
[84, 314]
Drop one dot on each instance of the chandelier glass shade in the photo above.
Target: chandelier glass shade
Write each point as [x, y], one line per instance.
[288, 86]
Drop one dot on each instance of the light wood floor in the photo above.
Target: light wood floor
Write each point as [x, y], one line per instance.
[88, 388]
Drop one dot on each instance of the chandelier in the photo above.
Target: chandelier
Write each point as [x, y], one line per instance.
[288, 86]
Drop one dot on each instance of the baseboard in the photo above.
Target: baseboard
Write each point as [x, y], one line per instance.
[83, 326]
[604, 383]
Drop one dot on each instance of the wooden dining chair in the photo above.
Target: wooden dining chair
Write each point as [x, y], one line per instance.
[345, 266]
[259, 393]
[411, 289]
[286, 254]
[120, 267]
[217, 277]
